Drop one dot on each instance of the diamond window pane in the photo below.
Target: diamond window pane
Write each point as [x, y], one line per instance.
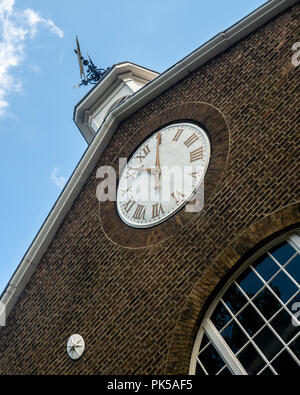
[295, 347]
[283, 252]
[266, 372]
[285, 364]
[266, 267]
[234, 336]
[250, 320]
[283, 287]
[267, 303]
[199, 370]
[225, 372]
[294, 306]
[294, 268]
[268, 343]
[249, 282]
[234, 299]
[204, 342]
[251, 360]
[220, 316]
[283, 325]
[211, 360]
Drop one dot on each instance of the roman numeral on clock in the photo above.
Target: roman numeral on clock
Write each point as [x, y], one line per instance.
[130, 174]
[194, 174]
[156, 210]
[126, 190]
[177, 196]
[197, 154]
[191, 140]
[178, 134]
[139, 212]
[128, 206]
[143, 153]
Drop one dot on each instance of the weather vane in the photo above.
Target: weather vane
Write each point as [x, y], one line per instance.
[93, 75]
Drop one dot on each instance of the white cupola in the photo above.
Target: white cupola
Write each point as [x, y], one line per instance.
[121, 81]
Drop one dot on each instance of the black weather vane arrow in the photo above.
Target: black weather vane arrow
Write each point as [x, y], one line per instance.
[93, 74]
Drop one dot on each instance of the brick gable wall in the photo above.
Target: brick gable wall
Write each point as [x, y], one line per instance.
[126, 303]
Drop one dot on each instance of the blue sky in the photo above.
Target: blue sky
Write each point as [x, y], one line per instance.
[40, 144]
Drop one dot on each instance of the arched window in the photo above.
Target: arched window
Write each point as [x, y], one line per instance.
[253, 325]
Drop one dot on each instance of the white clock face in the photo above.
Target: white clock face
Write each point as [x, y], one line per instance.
[75, 346]
[162, 175]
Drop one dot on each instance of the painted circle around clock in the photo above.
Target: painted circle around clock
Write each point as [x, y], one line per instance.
[163, 174]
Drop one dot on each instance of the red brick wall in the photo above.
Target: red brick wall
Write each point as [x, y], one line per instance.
[126, 303]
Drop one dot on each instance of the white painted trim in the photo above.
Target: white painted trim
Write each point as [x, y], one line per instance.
[87, 163]
[226, 353]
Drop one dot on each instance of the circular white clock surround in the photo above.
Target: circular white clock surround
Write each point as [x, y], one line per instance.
[163, 174]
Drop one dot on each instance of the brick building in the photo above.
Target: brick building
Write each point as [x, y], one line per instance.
[211, 291]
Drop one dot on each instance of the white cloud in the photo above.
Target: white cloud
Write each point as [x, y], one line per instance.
[57, 180]
[34, 19]
[16, 26]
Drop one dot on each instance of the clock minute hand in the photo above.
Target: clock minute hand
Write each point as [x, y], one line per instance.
[157, 163]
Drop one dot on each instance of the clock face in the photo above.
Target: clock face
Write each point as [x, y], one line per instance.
[163, 174]
[75, 346]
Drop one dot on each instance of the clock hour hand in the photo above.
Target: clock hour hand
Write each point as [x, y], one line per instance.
[148, 170]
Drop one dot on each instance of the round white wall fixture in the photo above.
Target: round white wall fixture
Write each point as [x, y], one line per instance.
[75, 346]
